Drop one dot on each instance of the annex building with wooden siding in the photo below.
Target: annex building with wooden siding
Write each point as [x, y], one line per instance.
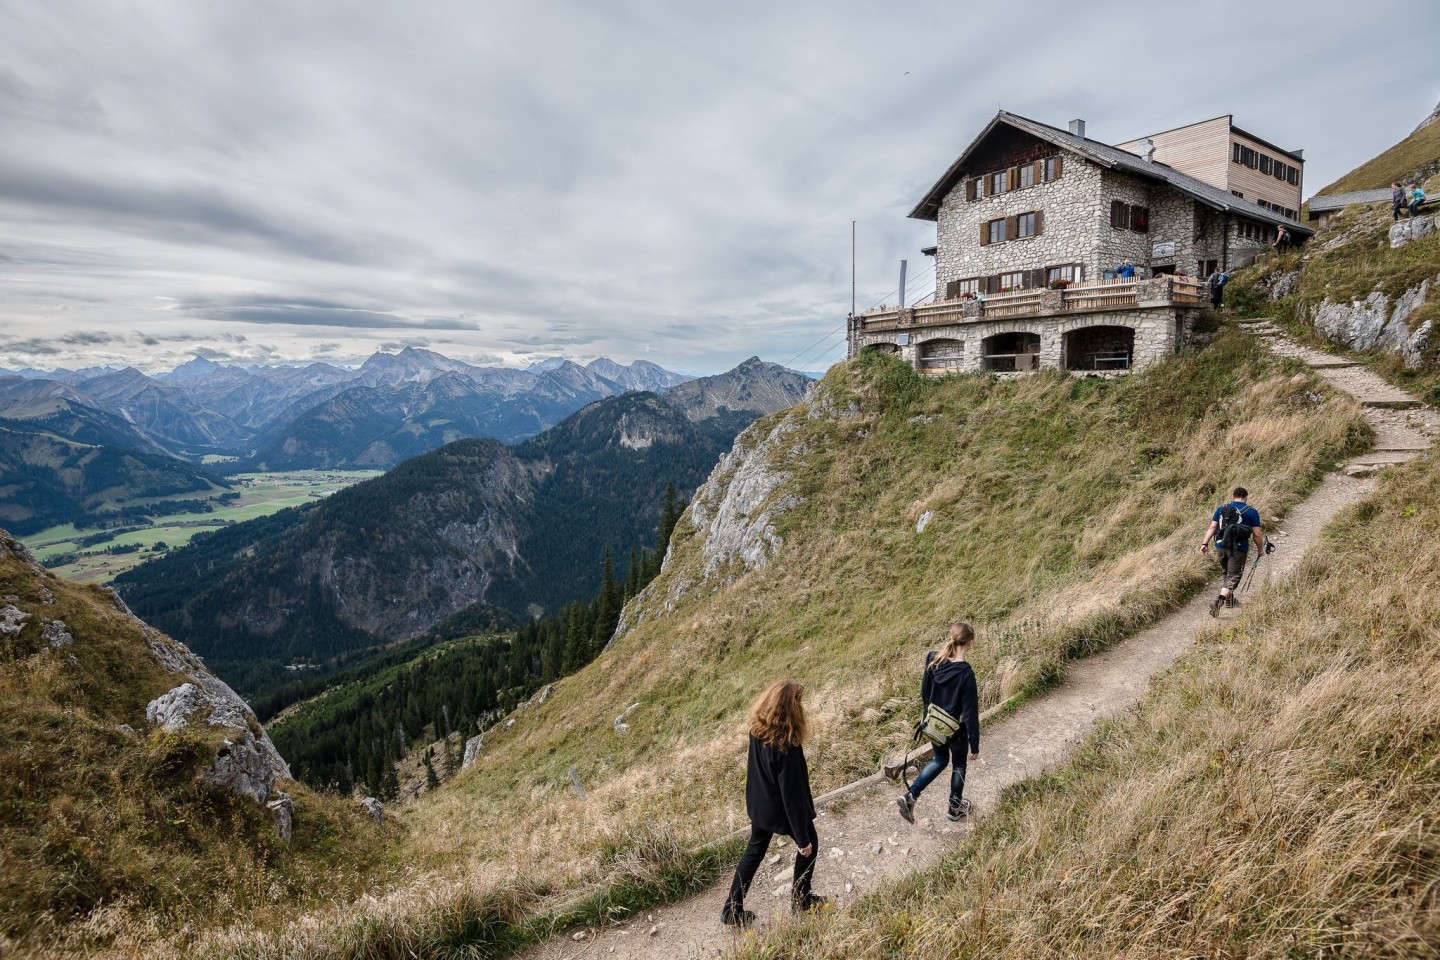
[1032, 222]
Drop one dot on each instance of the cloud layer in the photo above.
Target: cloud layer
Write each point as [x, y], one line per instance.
[276, 180]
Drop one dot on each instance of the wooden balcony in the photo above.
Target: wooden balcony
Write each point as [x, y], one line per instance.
[1092, 297]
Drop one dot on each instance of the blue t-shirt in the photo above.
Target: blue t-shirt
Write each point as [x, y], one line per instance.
[1248, 516]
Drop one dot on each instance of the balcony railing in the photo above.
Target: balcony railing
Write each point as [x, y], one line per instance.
[1095, 295]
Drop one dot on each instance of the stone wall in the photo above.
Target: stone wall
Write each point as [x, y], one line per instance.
[1072, 208]
[1157, 335]
[1077, 227]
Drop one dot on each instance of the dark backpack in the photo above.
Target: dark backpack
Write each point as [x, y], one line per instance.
[1234, 532]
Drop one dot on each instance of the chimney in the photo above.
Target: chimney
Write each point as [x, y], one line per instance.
[1077, 128]
[1147, 150]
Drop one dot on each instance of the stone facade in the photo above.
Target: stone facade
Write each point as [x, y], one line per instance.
[1076, 228]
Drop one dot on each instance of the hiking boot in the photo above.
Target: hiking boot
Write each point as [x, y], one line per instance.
[733, 916]
[1233, 602]
[1215, 607]
[811, 901]
[906, 803]
[959, 811]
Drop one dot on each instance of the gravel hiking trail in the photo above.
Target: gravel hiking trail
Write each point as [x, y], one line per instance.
[863, 841]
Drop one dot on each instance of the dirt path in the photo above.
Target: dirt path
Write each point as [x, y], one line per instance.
[863, 840]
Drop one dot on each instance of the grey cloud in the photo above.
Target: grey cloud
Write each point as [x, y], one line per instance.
[309, 312]
[204, 214]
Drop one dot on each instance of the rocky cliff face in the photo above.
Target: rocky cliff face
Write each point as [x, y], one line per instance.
[45, 620]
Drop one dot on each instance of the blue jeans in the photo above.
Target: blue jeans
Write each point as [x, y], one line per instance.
[933, 768]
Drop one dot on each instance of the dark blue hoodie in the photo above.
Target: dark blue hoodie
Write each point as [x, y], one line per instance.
[951, 685]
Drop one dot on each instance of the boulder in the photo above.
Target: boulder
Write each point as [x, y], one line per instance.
[244, 765]
[1362, 324]
[56, 635]
[472, 750]
[924, 521]
[376, 809]
[12, 621]
[282, 811]
[1411, 229]
[1414, 353]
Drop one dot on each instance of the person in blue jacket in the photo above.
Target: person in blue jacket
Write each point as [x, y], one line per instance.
[1417, 197]
[949, 681]
[1232, 526]
[777, 798]
[1126, 270]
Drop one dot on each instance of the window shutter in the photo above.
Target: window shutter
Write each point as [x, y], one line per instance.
[1034, 278]
[970, 190]
[985, 190]
[1119, 215]
[952, 289]
[1059, 165]
[1039, 174]
[1011, 230]
[1012, 180]
[1039, 222]
[984, 234]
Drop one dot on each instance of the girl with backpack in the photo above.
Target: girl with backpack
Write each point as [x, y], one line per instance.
[952, 720]
[777, 798]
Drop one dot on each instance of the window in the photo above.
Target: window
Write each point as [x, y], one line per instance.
[1069, 272]
[1292, 175]
[996, 229]
[1027, 175]
[1012, 281]
[1206, 267]
[1266, 164]
[971, 285]
[1140, 219]
[1052, 168]
[1025, 225]
[975, 189]
[1280, 169]
[1235, 153]
[1238, 194]
[997, 182]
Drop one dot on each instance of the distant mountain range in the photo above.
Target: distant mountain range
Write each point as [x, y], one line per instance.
[285, 417]
[520, 527]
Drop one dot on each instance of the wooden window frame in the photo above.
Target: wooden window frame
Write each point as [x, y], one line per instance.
[1017, 280]
[1032, 218]
[1022, 173]
[1053, 168]
[1000, 178]
[989, 231]
[1139, 218]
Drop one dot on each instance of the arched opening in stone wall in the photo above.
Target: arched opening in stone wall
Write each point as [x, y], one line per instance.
[1099, 348]
[891, 348]
[941, 356]
[1008, 352]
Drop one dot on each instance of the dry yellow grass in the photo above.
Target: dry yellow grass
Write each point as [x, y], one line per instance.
[1064, 517]
[1276, 795]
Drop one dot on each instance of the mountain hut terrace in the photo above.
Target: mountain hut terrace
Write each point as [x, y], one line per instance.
[1031, 224]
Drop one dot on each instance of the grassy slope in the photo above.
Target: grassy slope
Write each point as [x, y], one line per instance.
[1417, 153]
[1351, 257]
[1064, 515]
[1276, 795]
[107, 835]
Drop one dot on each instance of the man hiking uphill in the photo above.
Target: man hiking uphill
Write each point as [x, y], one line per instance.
[1232, 527]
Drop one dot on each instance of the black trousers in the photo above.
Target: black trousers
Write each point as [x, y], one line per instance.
[750, 862]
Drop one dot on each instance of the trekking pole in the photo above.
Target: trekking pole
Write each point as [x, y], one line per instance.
[1253, 567]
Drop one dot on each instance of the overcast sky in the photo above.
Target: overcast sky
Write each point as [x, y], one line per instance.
[505, 179]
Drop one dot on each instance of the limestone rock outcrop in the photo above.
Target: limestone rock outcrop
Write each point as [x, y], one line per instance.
[1410, 229]
[1375, 323]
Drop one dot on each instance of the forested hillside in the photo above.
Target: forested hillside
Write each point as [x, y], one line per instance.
[520, 528]
[354, 727]
[48, 477]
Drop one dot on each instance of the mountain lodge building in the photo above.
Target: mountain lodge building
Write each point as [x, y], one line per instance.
[1032, 222]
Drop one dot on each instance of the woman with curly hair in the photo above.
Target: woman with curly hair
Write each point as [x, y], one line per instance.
[777, 798]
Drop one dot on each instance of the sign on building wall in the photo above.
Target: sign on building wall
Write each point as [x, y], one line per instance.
[1166, 249]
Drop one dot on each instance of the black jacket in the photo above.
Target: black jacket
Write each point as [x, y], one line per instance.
[951, 684]
[777, 792]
